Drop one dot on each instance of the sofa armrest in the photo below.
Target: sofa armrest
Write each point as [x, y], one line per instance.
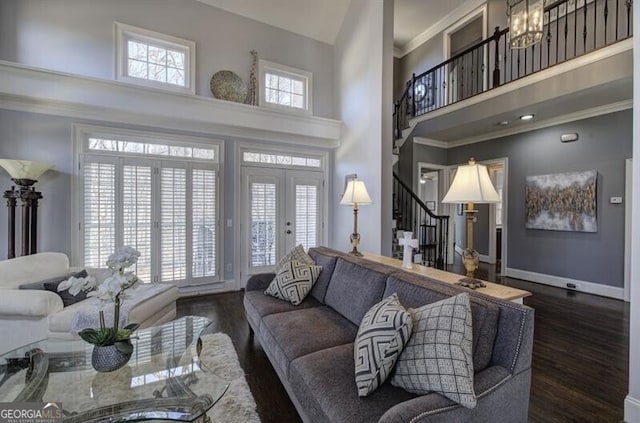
[259, 282]
[29, 303]
[501, 397]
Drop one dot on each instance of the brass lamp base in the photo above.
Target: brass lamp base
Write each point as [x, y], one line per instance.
[471, 283]
[355, 240]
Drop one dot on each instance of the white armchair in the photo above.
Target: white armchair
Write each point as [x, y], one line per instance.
[30, 315]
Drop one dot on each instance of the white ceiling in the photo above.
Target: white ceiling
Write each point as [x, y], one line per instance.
[413, 17]
[320, 20]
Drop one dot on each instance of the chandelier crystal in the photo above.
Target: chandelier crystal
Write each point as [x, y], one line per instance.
[525, 22]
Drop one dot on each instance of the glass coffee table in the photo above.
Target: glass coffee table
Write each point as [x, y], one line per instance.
[164, 379]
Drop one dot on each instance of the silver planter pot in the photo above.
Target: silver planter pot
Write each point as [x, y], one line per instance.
[108, 358]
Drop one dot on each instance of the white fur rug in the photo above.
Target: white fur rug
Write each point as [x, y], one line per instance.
[237, 405]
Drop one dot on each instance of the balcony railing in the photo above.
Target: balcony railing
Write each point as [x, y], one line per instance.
[572, 28]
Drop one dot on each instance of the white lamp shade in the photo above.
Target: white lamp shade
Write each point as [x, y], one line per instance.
[472, 184]
[356, 193]
[24, 169]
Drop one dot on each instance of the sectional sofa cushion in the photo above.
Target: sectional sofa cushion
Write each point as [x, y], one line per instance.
[293, 281]
[296, 333]
[412, 293]
[383, 333]
[257, 305]
[354, 288]
[327, 259]
[438, 357]
[323, 384]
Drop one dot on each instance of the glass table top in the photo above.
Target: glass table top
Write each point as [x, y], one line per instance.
[163, 380]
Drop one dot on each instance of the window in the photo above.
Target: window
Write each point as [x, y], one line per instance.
[285, 87]
[165, 205]
[280, 159]
[149, 58]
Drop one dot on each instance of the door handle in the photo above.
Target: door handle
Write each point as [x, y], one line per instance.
[288, 231]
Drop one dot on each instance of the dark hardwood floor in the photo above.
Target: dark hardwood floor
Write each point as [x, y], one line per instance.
[580, 357]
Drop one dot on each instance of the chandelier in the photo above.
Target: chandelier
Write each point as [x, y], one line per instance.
[525, 22]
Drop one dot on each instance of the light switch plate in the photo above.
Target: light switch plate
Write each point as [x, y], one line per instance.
[616, 200]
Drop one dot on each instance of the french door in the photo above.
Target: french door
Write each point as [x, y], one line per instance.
[281, 208]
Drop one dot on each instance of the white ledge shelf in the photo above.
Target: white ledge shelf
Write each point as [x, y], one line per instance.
[36, 90]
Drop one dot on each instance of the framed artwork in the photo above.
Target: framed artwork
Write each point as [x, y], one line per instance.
[562, 202]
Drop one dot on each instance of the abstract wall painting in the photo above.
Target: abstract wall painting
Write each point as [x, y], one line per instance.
[562, 202]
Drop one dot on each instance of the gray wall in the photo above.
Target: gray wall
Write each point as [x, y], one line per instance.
[605, 142]
[50, 139]
[76, 36]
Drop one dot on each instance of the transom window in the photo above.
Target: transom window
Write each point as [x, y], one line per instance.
[101, 144]
[150, 58]
[285, 87]
[280, 159]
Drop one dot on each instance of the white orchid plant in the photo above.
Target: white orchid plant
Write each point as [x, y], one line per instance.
[111, 290]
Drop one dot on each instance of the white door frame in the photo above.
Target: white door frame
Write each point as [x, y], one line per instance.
[446, 41]
[237, 214]
[628, 188]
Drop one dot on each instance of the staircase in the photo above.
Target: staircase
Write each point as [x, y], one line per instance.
[432, 231]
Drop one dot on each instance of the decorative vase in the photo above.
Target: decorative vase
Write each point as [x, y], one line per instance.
[108, 358]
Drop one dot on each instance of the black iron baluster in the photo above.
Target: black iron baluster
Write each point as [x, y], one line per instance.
[549, 42]
[628, 3]
[575, 29]
[606, 15]
[595, 23]
[519, 54]
[506, 56]
[584, 31]
[566, 31]
[413, 94]
[533, 57]
[557, 33]
[525, 62]
[496, 67]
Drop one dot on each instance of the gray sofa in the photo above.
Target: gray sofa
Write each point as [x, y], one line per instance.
[311, 346]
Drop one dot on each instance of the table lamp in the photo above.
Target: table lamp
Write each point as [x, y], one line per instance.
[356, 194]
[471, 185]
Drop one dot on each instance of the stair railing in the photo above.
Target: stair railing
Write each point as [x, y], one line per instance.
[432, 231]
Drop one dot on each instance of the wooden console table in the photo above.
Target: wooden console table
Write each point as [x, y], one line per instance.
[493, 289]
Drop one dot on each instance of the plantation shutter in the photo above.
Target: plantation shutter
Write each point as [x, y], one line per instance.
[263, 203]
[99, 212]
[204, 221]
[137, 219]
[173, 222]
[306, 212]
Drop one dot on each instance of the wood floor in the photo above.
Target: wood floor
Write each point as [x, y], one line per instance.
[580, 355]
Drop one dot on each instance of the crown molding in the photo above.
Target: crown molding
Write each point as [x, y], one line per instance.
[430, 142]
[36, 90]
[446, 21]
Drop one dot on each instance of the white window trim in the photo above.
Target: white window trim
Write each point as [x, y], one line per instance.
[307, 77]
[120, 72]
[81, 133]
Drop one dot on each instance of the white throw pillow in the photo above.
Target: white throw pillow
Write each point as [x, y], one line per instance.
[294, 281]
[383, 333]
[438, 357]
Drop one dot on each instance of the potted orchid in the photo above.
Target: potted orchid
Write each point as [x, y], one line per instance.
[112, 344]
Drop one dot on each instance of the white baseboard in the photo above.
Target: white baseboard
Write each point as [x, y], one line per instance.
[631, 410]
[206, 289]
[558, 281]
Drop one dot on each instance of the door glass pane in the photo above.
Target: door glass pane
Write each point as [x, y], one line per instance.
[204, 223]
[306, 203]
[173, 188]
[99, 213]
[136, 217]
[263, 224]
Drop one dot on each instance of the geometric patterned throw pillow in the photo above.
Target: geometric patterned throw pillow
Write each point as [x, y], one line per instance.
[438, 357]
[293, 281]
[382, 335]
[297, 254]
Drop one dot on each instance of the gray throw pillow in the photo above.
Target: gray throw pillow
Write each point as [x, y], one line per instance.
[67, 298]
[294, 281]
[438, 357]
[297, 254]
[383, 333]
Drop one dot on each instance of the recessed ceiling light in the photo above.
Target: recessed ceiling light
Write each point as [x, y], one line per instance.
[503, 123]
[527, 116]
